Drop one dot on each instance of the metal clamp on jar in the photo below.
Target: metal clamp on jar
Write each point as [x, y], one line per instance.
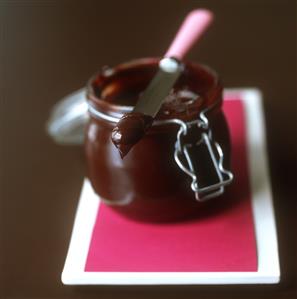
[216, 158]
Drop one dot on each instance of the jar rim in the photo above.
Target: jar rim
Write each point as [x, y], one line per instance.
[115, 111]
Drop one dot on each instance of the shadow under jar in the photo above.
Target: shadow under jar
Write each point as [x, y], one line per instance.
[179, 164]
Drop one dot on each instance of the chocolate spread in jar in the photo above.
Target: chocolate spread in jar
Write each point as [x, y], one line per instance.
[121, 88]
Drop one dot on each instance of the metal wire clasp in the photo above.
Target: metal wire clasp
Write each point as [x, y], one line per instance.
[184, 161]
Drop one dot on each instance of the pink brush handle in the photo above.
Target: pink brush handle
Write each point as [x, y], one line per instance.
[190, 31]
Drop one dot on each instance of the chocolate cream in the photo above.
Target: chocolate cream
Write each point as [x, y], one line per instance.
[129, 130]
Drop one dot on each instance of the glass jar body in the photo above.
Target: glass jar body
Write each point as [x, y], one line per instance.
[147, 184]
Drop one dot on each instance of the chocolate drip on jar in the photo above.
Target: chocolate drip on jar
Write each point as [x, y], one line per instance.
[129, 130]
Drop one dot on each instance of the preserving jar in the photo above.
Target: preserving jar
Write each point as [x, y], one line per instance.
[181, 162]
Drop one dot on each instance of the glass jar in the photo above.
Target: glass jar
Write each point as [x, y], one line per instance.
[179, 164]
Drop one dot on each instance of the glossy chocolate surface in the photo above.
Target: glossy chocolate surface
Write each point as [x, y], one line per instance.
[129, 130]
[116, 90]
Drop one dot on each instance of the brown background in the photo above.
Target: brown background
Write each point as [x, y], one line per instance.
[50, 48]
